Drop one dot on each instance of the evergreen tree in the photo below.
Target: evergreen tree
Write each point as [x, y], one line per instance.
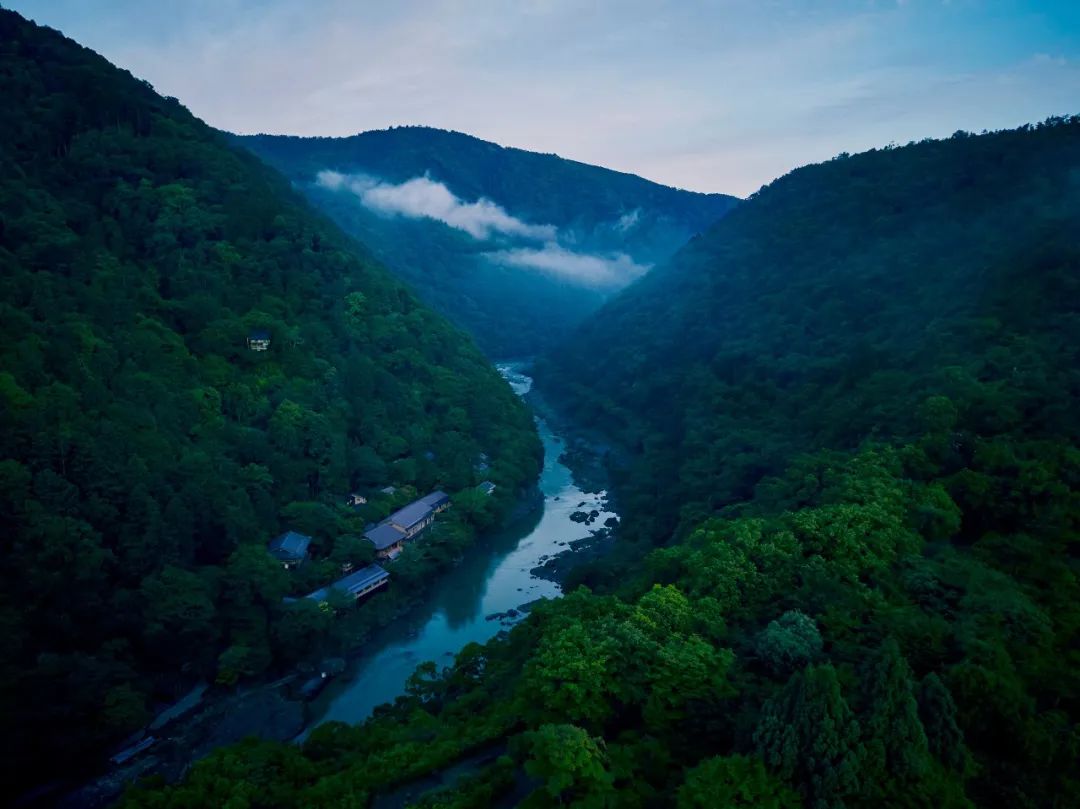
[810, 737]
[945, 739]
[897, 757]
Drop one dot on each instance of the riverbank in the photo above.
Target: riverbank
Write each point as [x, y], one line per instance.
[488, 592]
[489, 588]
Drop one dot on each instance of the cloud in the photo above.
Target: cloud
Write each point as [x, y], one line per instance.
[628, 220]
[423, 197]
[613, 270]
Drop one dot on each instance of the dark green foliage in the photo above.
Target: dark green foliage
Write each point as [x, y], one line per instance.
[789, 643]
[897, 753]
[734, 781]
[148, 454]
[851, 403]
[512, 312]
[893, 293]
[937, 711]
[809, 736]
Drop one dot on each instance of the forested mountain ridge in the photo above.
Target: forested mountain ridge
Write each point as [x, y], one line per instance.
[565, 235]
[148, 453]
[827, 310]
[847, 573]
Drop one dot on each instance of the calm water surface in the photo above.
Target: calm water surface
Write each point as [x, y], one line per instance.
[492, 578]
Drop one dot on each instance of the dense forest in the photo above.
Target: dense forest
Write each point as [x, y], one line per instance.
[512, 311]
[847, 572]
[147, 454]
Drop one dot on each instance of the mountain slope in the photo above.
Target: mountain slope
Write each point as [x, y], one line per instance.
[827, 310]
[148, 452]
[847, 572]
[515, 246]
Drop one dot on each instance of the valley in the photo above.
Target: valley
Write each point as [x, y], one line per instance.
[781, 509]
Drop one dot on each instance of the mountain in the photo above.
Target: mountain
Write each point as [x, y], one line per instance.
[847, 569]
[150, 452]
[514, 246]
[829, 308]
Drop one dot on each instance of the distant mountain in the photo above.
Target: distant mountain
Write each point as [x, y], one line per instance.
[192, 361]
[516, 247]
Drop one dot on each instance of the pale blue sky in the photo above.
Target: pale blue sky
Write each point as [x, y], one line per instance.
[714, 96]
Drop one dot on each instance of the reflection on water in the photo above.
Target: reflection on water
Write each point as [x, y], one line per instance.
[492, 578]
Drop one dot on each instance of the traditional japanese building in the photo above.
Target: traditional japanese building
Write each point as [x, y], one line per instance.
[357, 585]
[412, 519]
[290, 548]
[438, 501]
[387, 540]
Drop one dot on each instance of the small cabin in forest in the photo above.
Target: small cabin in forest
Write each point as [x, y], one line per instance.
[487, 487]
[355, 500]
[259, 340]
[289, 548]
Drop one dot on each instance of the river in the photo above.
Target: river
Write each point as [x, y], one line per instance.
[493, 578]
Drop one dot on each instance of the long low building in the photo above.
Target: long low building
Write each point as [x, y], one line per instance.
[357, 584]
[412, 519]
[386, 538]
[405, 523]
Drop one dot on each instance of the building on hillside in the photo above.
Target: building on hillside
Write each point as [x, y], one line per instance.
[355, 500]
[390, 490]
[357, 585]
[387, 539]
[412, 519]
[259, 340]
[487, 487]
[438, 501]
[289, 548]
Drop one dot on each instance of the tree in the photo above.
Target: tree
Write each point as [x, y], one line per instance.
[568, 677]
[897, 759]
[944, 738]
[789, 643]
[732, 782]
[570, 762]
[810, 737]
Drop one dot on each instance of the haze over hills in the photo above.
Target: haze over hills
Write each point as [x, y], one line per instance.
[515, 246]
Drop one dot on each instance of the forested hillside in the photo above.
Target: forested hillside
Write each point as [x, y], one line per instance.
[148, 453]
[563, 235]
[851, 498]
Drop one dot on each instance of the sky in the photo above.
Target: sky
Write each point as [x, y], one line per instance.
[723, 96]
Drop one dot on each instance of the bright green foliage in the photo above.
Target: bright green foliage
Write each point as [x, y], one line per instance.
[734, 781]
[809, 735]
[570, 763]
[148, 453]
[571, 675]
